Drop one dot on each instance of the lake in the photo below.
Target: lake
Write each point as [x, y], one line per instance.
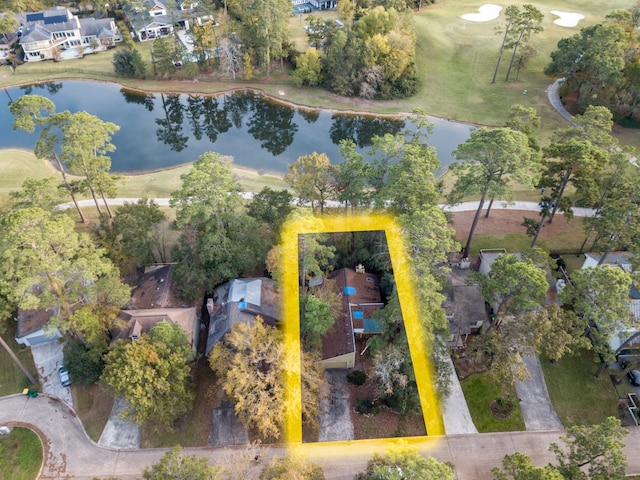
[158, 131]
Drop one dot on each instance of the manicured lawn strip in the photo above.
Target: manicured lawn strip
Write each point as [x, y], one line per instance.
[578, 397]
[193, 429]
[12, 380]
[20, 455]
[93, 405]
[480, 391]
[17, 165]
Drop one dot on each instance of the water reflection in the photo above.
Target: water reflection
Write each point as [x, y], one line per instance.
[133, 96]
[162, 130]
[170, 126]
[362, 129]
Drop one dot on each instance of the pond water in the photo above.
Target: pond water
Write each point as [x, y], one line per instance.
[163, 130]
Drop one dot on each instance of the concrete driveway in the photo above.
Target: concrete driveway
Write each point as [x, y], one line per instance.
[335, 408]
[537, 410]
[118, 432]
[48, 357]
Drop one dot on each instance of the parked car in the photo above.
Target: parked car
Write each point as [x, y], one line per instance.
[634, 377]
[65, 380]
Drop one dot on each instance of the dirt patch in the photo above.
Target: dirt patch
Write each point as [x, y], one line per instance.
[502, 222]
[466, 364]
[624, 414]
[380, 421]
[501, 411]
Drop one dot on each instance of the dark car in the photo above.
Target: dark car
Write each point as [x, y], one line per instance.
[634, 377]
[65, 380]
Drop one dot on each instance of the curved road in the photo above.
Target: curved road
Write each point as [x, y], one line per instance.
[70, 454]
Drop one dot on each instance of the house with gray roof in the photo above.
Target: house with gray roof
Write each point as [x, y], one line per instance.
[160, 20]
[57, 34]
[241, 301]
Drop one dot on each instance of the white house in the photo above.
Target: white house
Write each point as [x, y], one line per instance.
[160, 21]
[58, 34]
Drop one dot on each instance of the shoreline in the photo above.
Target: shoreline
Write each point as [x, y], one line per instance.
[238, 170]
[257, 90]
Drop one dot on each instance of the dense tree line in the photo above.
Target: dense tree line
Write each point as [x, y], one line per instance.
[601, 64]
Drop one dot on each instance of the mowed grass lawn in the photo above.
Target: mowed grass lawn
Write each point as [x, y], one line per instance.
[578, 397]
[17, 165]
[12, 380]
[20, 455]
[480, 390]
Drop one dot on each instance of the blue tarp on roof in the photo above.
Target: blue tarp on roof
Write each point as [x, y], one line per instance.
[371, 326]
[349, 290]
[358, 314]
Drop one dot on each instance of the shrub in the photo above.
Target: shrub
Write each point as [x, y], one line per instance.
[357, 377]
[366, 406]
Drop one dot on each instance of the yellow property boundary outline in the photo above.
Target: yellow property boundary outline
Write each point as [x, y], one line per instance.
[291, 316]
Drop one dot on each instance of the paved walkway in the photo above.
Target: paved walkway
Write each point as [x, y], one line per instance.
[554, 99]
[455, 411]
[461, 207]
[70, 454]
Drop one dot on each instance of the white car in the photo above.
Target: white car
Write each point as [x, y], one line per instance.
[65, 380]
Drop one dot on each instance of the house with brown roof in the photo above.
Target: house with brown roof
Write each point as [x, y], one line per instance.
[241, 301]
[155, 299]
[361, 298]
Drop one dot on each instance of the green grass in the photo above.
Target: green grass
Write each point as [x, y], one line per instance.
[480, 391]
[12, 380]
[17, 165]
[20, 455]
[577, 396]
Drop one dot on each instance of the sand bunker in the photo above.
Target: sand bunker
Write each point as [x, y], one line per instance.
[486, 12]
[567, 19]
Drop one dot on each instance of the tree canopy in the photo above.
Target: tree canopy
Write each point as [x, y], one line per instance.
[600, 65]
[153, 378]
[599, 297]
[175, 465]
[405, 463]
[486, 162]
[46, 264]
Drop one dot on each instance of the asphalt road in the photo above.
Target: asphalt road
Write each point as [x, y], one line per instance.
[70, 454]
